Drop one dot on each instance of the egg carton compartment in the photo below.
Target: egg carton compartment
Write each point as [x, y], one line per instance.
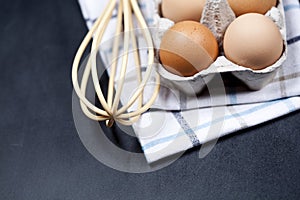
[217, 15]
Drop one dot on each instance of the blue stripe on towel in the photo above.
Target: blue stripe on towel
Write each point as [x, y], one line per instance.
[293, 40]
[232, 94]
[291, 7]
[290, 105]
[205, 125]
[186, 128]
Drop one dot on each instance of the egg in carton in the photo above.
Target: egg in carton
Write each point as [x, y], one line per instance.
[217, 15]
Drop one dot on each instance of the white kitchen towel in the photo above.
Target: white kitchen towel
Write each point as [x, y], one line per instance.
[178, 122]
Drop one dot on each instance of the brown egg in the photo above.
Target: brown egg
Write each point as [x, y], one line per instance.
[253, 40]
[179, 10]
[187, 48]
[240, 7]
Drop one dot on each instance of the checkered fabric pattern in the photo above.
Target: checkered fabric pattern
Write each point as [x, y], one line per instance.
[178, 122]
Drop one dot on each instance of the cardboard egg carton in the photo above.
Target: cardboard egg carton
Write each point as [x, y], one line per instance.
[254, 79]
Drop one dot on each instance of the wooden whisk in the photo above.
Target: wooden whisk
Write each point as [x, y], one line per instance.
[111, 111]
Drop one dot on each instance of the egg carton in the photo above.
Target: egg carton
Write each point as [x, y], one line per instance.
[254, 79]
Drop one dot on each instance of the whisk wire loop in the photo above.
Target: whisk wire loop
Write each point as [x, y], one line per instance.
[111, 111]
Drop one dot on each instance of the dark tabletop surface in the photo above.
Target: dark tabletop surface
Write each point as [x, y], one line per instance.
[42, 157]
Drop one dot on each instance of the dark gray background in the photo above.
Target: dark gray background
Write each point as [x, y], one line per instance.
[42, 157]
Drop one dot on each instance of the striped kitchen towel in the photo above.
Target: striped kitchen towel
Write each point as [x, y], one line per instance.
[178, 122]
